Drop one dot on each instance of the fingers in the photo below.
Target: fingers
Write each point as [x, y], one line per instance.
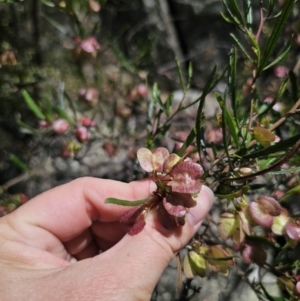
[68, 210]
[143, 257]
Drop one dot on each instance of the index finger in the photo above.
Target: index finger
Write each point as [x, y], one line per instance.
[68, 210]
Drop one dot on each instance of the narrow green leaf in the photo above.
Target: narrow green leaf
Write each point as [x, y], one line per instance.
[32, 105]
[30, 129]
[248, 13]
[47, 3]
[260, 239]
[168, 104]
[234, 194]
[55, 24]
[228, 19]
[126, 202]
[232, 127]
[72, 104]
[19, 163]
[162, 130]
[209, 89]
[156, 96]
[294, 85]
[189, 140]
[190, 74]
[276, 33]
[266, 107]
[275, 298]
[280, 146]
[242, 48]
[283, 54]
[62, 113]
[182, 82]
[198, 124]
[263, 164]
[284, 171]
[222, 104]
[232, 80]
[234, 12]
[289, 193]
[214, 84]
[270, 8]
[255, 46]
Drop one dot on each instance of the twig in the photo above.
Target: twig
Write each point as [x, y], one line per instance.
[288, 156]
[15, 181]
[292, 111]
[261, 23]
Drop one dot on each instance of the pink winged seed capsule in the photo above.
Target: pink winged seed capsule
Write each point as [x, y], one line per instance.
[152, 161]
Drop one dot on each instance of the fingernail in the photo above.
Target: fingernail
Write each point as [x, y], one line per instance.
[204, 203]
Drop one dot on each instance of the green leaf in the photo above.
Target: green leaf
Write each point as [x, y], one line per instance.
[280, 146]
[260, 239]
[266, 107]
[72, 104]
[284, 171]
[126, 202]
[48, 3]
[279, 298]
[232, 80]
[19, 163]
[255, 46]
[276, 33]
[270, 7]
[30, 129]
[228, 19]
[209, 89]
[55, 24]
[156, 96]
[190, 74]
[289, 193]
[283, 54]
[182, 82]
[234, 12]
[263, 164]
[222, 104]
[242, 48]
[234, 194]
[62, 113]
[233, 128]
[206, 90]
[168, 104]
[248, 12]
[189, 140]
[32, 105]
[213, 85]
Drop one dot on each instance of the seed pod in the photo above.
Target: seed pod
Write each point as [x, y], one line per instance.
[245, 171]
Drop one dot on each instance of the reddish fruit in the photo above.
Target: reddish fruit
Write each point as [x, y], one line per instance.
[142, 90]
[87, 122]
[82, 134]
[89, 95]
[292, 229]
[253, 252]
[43, 124]
[281, 71]
[263, 210]
[110, 148]
[60, 126]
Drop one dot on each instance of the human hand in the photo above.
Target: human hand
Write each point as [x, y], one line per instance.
[50, 245]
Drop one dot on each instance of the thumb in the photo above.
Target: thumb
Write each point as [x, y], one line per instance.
[142, 258]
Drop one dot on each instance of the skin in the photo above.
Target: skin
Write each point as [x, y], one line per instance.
[49, 247]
